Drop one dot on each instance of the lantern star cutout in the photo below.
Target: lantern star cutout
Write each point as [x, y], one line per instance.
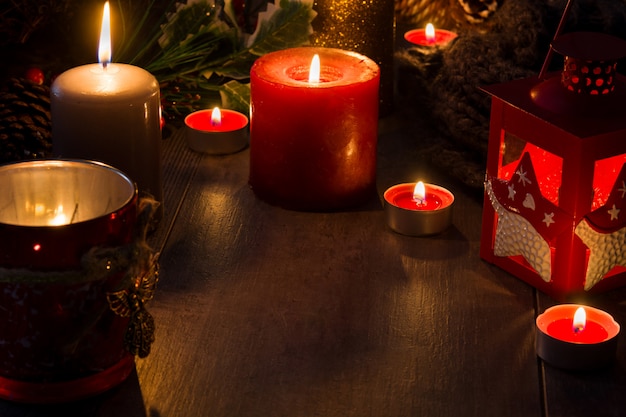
[527, 221]
[548, 219]
[604, 233]
[607, 250]
[614, 212]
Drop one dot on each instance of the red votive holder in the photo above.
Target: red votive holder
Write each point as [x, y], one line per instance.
[59, 340]
[430, 37]
[411, 215]
[569, 342]
[218, 132]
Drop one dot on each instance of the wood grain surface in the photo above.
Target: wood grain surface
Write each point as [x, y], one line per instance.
[262, 311]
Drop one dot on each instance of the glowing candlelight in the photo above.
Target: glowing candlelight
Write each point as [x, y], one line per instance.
[104, 48]
[571, 336]
[418, 209]
[430, 33]
[314, 71]
[110, 112]
[580, 320]
[419, 193]
[216, 117]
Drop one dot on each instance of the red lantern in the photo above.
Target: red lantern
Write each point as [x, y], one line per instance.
[555, 191]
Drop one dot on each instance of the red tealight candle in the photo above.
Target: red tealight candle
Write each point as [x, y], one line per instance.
[418, 209]
[313, 137]
[217, 131]
[575, 337]
[577, 330]
[429, 36]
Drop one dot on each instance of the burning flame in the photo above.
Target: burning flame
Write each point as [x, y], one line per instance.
[104, 49]
[419, 193]
[430, 33]
[314, 71]
[580, 320]
[216, 117]
[60, 218]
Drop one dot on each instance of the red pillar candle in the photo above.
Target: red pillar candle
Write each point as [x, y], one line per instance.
[568, 342]
[313, 144]
[418, 209]
[217, 132]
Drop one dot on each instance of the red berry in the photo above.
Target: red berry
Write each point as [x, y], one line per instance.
[35, 75]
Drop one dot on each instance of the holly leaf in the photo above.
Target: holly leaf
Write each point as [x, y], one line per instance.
[283, 25]
[236, 96]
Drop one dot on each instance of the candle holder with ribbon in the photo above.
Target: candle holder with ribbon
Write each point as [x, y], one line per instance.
[75, 274]
[556, 179]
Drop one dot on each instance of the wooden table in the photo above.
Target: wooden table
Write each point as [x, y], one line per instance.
[266, 312]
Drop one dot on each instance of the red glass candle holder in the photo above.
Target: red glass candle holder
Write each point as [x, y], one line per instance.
[59, 339]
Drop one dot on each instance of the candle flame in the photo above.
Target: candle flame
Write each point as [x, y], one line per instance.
[430, 33]
[59, 219]
[216, 117]
[419, 193]
[580, 320]
[314, 71]
[104, 49]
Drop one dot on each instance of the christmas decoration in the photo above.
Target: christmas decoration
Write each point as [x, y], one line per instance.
[443, 85]
[446, 13]
[25, 125]
[556, 174]
[204, 58]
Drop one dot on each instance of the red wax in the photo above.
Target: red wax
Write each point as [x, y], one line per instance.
[231, 120]
[592, 333]
[432, 201]
[313, 145]
[436, 197]
[418, 37]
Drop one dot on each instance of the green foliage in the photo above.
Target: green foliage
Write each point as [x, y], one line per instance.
[201, 50]
[236, 96]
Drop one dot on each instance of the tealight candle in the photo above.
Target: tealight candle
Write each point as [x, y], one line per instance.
[429, 36]
[575, 337]
[111, 113]
[313, 140]
[217, 131]
[418, 209]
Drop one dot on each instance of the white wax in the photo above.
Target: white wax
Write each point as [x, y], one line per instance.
[110, 115]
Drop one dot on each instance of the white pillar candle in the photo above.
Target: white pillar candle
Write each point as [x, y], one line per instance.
[110, 113]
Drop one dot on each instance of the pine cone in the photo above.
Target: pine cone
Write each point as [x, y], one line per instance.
[446, 14]
[25, 123]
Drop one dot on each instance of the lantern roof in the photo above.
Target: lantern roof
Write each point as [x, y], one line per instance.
[592, 46]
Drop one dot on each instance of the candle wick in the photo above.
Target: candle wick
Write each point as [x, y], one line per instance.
[578, 329]
[74, 214]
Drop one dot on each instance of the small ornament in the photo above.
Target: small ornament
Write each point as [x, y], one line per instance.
[130, 302]
[35, 75]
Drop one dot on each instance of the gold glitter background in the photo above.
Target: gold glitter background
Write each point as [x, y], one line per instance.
[364, 26]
